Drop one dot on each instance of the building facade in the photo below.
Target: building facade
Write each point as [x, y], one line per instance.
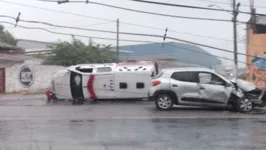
[256, 51]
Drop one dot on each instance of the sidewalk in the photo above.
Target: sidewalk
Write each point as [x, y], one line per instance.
[22, 100]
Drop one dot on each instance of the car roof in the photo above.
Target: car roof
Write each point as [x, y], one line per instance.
[181, 69]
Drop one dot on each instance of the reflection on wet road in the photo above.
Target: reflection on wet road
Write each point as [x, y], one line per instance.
[137, 134]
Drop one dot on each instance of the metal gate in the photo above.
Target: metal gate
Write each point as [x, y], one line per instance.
[2, 80]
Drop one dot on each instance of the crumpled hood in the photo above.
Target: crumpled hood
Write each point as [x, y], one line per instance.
[245, 86]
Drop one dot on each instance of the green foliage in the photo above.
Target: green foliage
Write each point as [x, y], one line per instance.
[6, 37]
[76, 52]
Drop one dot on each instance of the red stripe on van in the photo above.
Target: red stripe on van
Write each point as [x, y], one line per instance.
[90, 87]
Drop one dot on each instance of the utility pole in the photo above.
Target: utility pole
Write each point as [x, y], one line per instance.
[117, 40]
[235, 13]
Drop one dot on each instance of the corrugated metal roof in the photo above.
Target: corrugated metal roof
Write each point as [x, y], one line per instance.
[261, 20]
[164, 57]
[8, 46]
[17, 57]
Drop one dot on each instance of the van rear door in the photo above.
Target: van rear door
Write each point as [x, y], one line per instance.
[104, 84]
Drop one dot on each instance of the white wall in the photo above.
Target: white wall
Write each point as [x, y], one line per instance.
[42, 77]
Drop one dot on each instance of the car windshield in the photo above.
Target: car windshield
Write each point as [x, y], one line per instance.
[132, 74]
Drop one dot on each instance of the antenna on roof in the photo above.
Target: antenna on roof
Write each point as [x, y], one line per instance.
[17, 19]
[164, 37]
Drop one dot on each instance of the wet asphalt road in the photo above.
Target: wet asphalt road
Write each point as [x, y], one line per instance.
[124, 134]
[33, 125]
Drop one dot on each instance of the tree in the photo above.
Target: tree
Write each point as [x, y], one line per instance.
[76, 52]
[6, 36]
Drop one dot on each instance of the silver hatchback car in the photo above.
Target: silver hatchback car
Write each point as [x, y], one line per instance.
[195, 86]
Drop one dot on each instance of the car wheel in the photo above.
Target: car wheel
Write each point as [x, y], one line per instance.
[243, 105]
[164, 102]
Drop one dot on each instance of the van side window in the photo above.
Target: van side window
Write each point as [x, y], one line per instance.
[85, 70]
[185, 76]
[140, 85]
[104, 69]
[123, 85]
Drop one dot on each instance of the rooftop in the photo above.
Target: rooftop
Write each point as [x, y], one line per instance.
[261, 20]
[6, 46]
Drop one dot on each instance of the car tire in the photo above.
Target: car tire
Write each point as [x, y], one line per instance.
[164, 102]
[242, 105]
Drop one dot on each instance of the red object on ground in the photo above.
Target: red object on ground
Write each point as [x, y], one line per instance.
[90, 87]
[48, 95]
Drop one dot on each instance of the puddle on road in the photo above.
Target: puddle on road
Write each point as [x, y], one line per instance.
[75, 121]
[260, 121]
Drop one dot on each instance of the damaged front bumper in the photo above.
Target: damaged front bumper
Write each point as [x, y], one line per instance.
[258, 100]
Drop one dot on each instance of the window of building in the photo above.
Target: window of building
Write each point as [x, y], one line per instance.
[260, 29]
[185, 76]
[140, 85]
[123, 85]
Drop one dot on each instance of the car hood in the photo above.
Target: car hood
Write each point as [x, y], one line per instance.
[245, 86]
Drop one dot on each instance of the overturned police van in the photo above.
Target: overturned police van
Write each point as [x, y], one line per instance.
[125, 80]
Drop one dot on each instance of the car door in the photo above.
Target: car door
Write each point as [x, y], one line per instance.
[213, 89]
[185, 85]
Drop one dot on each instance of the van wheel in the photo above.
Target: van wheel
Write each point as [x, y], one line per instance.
[242, 105]
[74, 101]
[79, 101]
[164, 102]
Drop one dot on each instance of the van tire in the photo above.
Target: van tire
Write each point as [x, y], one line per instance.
[164, 102]
[242, 105]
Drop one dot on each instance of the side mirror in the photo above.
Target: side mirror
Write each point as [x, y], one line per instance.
[227, 84]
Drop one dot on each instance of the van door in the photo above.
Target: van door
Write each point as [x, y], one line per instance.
[185, 85]
[76, 85]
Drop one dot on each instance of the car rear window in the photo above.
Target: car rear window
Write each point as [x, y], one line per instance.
[158, 75]
[185, 76]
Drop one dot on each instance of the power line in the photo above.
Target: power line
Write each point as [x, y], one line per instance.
[178, 5]
[59, 33]
[132, 24]
[126, 40]
[148, 12]
[58, 11]
[193, 7]
[69, 34]
[151, 13]
[218, 2]
[128, 33]
[86, 16]
[77, 28]
[228, 3]
[59, 26]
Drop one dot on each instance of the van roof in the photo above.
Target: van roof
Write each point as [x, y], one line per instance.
[136, 63]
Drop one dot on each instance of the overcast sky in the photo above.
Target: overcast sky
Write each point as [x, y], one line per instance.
[217, 34]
